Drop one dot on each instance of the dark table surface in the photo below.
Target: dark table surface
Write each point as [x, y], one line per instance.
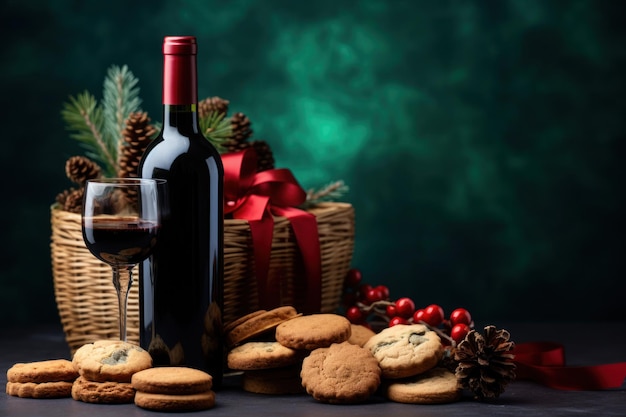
[585, 344]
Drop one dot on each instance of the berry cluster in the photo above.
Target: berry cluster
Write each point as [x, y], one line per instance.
[364, 302]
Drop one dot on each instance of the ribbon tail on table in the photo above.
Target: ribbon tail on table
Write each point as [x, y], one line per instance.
[544, 362]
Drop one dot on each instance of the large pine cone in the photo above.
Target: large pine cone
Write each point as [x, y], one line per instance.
[79, 169]
[136, 136]
[485, 363]
[212, 104]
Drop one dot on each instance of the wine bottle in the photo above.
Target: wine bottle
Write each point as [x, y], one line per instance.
[181, 284]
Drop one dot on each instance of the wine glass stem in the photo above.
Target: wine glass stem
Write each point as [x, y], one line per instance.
[122, 280]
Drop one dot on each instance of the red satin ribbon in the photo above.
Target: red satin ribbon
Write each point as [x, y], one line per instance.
[544, 362]
[258, 197]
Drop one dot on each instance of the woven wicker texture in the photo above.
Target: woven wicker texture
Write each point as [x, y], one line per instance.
[87, 302]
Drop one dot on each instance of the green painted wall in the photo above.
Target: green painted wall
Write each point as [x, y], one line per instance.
[483, 141]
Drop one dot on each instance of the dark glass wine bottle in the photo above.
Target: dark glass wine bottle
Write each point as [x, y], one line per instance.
[181, 284]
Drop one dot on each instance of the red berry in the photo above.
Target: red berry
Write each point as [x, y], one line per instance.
[418, 315]
[433, 315]
[391, 311]
[397, 320]
[459, 331]
[384, 290]
[405, 307]
[373, 295]
[355, 315]
[460, 316]
[353, 278]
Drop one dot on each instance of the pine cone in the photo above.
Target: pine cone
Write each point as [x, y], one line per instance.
[265, 156]
[136, 136]
[485, 364]
[74, 201]
[212, 104]
[62, 197]
[79, 169]
[241, 131]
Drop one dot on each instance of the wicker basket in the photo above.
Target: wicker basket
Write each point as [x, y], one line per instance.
[87, 302]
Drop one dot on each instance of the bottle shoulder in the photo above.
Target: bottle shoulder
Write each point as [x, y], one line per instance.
[168, 152]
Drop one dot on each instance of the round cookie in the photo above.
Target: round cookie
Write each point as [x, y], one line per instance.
[170, 403]
[276, 381]
[340, 374]
[59, 389]
[435, 386]
[359, 334]
[110, 361]
[313, 331]
[172, 380]
[102, 392]
[231, 325]
[43, 371]
[259, 323]
[87, 348]
[261, 355]
[405, 350]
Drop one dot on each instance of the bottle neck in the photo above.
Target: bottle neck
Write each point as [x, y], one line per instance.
[180, 85]
[182, 118]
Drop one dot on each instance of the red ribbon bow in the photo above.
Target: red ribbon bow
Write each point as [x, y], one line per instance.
[257, 197]
[544, 362]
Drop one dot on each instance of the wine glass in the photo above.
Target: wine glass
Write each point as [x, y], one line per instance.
[120, 223]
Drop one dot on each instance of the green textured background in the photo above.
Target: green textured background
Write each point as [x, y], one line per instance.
[483, 141]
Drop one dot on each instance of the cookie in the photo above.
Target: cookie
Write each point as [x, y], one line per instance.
[340, 374]
[261, 355]
[59, 389]
[231, 325]
[102, 392]
[259, 324]
[313, 331]
[108, 361]
[172, 380]
[86, 349]
[405, 350]
[276, 381]
[435, 386]
[43, 371]
[359, 334]
[167, 402]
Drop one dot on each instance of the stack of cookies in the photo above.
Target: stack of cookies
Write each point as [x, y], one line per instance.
[268, 367]
[171, 389]
[105, 370]
[283, 352]
[44, 379]
[408, 356]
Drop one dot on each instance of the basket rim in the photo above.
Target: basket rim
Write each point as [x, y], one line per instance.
[321, 207]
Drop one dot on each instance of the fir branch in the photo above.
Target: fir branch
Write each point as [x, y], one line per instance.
[120, 98]
[330, 192]
[84, 118]
[216, 127]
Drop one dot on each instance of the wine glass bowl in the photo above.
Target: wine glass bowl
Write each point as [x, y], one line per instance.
[120, 223]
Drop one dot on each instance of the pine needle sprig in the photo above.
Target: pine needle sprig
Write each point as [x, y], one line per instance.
[120, 98]
[216, 127]
[330, 192]
[85, 119]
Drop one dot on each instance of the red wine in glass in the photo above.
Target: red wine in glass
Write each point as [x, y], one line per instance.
[120, 223]
[120, 240]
